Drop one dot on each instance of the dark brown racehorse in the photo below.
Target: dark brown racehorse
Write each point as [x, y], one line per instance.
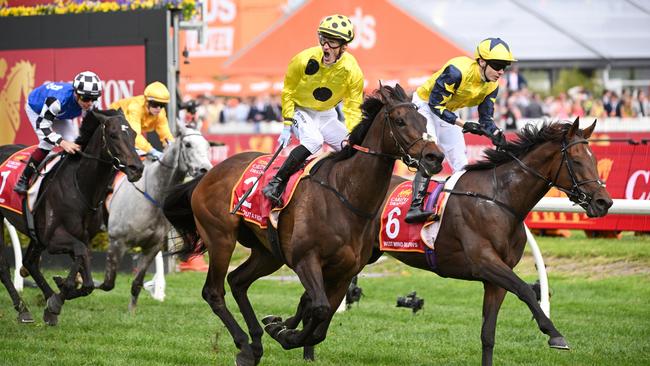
[319, 230]
[482, 235]
[66, 216]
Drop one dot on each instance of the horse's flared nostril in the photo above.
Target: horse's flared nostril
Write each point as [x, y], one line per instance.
[203, 170]
[604, 204]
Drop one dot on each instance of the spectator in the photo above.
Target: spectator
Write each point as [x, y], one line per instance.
[534, 108]
[515, 80]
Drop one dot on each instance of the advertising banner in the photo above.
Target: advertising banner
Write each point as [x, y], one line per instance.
[121, 69]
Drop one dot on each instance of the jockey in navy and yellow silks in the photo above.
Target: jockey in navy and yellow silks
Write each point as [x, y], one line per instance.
[461, 82]
[318, 79]
[146, 113]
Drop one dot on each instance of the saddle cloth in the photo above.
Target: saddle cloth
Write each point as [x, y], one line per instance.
[399, 236]
[257, 208]
[10, 172]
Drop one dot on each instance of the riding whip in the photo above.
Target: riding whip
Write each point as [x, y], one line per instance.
[248, 192]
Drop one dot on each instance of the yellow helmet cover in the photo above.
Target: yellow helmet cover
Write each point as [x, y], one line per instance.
[157, 92]
[337, 26]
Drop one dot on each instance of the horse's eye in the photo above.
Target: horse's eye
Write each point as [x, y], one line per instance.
[188, 145]
[113, 135]
[400, 121]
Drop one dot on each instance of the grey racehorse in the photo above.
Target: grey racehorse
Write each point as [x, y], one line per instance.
[135, 218]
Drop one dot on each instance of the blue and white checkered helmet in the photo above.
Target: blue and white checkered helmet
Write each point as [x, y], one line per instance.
[87, 83]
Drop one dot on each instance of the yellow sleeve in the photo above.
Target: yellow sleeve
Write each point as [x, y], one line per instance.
[134, 116]
[353, 100]
[162, 128]
[291, 79]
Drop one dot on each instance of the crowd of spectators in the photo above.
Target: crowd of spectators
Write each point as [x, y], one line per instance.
[516, 101]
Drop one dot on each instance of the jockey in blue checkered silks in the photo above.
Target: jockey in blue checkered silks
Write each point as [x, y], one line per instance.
[50, 109]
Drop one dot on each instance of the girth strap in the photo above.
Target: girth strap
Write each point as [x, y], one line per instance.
[487, 198]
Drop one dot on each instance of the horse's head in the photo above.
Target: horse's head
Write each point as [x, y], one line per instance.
[194, 151]
[577, 175]
[118, 142]
[405, 132]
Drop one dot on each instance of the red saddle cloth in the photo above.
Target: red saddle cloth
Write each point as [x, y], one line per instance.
[399, 236]
[10, 172]
[256, 208]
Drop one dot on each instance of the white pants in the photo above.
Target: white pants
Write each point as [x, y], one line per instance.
[318, 127]
[450, 137]
[64, 127]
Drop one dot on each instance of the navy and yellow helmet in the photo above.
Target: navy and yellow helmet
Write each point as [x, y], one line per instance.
[337, 26]
[494, 49]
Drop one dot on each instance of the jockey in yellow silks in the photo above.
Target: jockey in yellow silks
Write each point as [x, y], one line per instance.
[461, 82]
[318, 79]
[146, 113]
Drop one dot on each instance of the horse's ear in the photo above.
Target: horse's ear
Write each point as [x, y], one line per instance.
[586, 133]
[574, 128]
[384, 95]
[180, 128]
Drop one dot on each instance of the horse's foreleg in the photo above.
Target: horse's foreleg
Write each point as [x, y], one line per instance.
[116, 251]
[492, 299]
[147, 257]
[31, 262]
[24, 316]
[81, 265]
[259, 264]
[498, 273]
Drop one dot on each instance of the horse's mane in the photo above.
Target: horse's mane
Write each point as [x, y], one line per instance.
[527, 138]
[369, 109]
[90, 123]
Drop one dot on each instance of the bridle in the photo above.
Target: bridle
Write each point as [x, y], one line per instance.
[113, 160]
[402, 145]
[575, 193]
[182, 156]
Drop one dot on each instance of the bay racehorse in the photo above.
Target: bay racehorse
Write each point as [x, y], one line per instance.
[67, 214]
[135, 212]
[482, 235]
[320, 228]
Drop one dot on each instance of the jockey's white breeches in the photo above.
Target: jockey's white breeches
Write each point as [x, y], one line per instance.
[318, 127]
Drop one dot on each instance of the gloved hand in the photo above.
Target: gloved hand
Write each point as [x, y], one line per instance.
[155, 154]
[285, 136]
[473, 127]
[498, 138]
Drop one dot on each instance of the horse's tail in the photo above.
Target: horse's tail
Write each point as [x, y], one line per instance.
[177, 207]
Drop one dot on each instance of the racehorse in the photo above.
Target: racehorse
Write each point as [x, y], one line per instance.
[318, 230]
[136, 218]
[482, 235]
[20, 82]
[66, 214]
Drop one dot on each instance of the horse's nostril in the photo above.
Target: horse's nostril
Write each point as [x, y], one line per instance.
[203, 170]
[606, 204]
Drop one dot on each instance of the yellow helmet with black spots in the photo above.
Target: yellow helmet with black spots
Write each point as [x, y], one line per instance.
[494, 49]
[337, 26]
[157, 92]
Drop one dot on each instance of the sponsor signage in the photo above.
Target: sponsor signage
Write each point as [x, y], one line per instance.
[121, 69]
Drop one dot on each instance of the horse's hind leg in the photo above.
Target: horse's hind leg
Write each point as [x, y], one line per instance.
[147, 257]
[116, 250]
[221, 246]
[492, 299]
[24, 316]
[259, 264]
[494, 270]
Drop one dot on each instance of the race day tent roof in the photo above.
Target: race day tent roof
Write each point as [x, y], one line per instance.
[389, 45]
[546, 33]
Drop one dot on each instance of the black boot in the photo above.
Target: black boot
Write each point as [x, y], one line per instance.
[23, 183]
[415, 213]
[275, 188]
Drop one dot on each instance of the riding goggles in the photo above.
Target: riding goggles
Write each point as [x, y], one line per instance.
[154, 104]
[87, 98]
[498, 65]
[332, 43]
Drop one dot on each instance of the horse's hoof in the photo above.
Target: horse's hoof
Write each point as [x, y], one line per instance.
[25, 317]
[558, 343]
[270, 319]
[24, 273]
[274, 329]
[244, 359]
[54, 304]
[132, 308]
[50, 318]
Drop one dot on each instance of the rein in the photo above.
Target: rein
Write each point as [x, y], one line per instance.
[399, 142]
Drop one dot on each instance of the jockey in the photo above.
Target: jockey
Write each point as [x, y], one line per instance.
[461, 82]
[146, 113]
[317, 79]
[58, 103]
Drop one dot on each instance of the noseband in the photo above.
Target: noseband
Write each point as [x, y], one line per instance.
[575, 193]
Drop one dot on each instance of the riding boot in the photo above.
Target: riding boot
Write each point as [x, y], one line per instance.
[415, 213]
[275, 188]
[23, 182]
